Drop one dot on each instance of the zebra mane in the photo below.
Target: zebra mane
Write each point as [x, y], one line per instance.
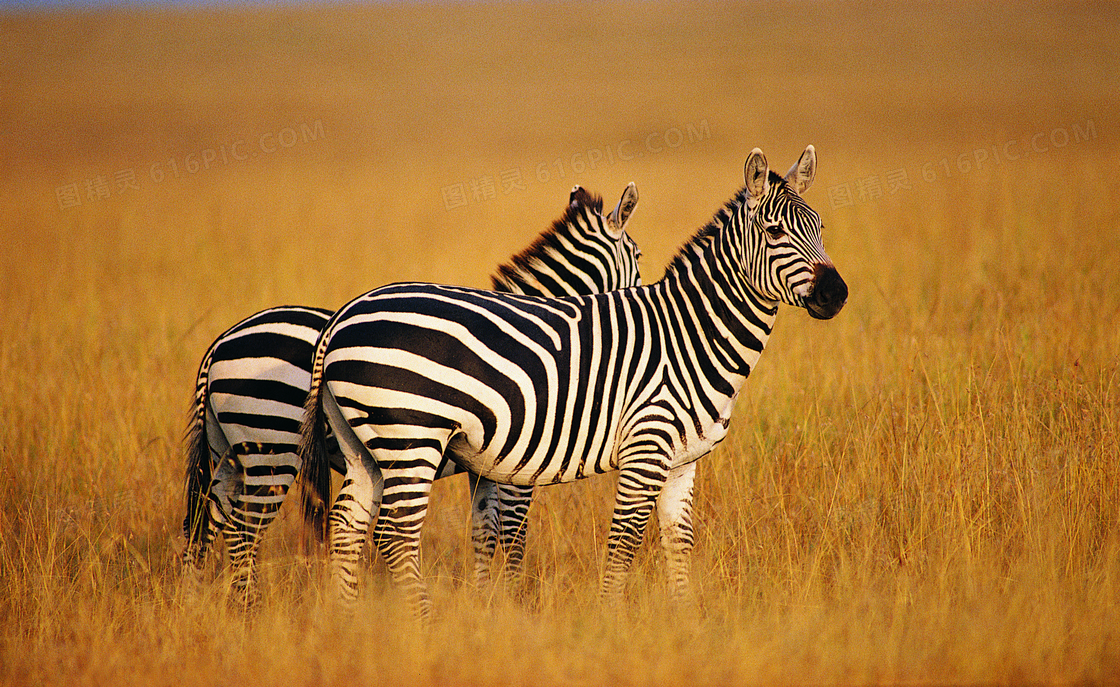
[519, 270]
[701, 238]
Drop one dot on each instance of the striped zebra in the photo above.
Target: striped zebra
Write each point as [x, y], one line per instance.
[536, 391]
[254, 380]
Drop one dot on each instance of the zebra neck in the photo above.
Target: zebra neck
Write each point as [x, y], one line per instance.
[557, 263]
[714, 298]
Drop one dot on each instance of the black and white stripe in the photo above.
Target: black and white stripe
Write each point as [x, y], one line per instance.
[528, 391]
[241, 442]
[254, 380]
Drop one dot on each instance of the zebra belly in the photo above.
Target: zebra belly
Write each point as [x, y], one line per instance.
[573, 459]
[484, 464]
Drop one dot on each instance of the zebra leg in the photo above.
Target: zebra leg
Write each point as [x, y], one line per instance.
[639, 482]
[211, 520]
[485, 527]
[404, 503]
[226, 492]
[250, 485]
[355, 504]
[257, 509]
[242, 543]
[674, 515]
[194, 556]
[498, 513]
[513, 510]
[350, 518]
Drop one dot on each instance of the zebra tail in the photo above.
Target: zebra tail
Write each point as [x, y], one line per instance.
[197, 521]
[315, 474]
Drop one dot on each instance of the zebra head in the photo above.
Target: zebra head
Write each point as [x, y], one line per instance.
[623, 251]
[782, 239]
[583, 252]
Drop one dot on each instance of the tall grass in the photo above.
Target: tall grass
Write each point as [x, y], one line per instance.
[925, 489]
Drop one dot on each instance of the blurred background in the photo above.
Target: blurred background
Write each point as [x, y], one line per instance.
[898, 482]
[446, 126]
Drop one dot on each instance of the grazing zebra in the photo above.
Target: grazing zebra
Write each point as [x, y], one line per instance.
[254, 380]
[537, 391]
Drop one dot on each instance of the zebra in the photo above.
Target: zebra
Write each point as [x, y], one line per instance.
[528, 391]
[254, 379]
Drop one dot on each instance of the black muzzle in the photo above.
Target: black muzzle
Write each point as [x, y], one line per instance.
[830, 293]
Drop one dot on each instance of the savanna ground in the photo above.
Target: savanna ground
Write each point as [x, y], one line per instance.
[924, 489]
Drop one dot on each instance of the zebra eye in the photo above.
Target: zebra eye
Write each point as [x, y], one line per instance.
[775, 230]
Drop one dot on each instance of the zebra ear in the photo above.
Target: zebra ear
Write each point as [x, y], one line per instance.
[616, 222]
[800, 176]
[757, 173]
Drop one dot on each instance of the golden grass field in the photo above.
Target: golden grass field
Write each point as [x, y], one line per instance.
[925, 489]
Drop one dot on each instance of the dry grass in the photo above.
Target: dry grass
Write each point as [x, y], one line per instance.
[924, 489]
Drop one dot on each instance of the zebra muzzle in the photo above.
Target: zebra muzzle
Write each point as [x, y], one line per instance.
[830, 293]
